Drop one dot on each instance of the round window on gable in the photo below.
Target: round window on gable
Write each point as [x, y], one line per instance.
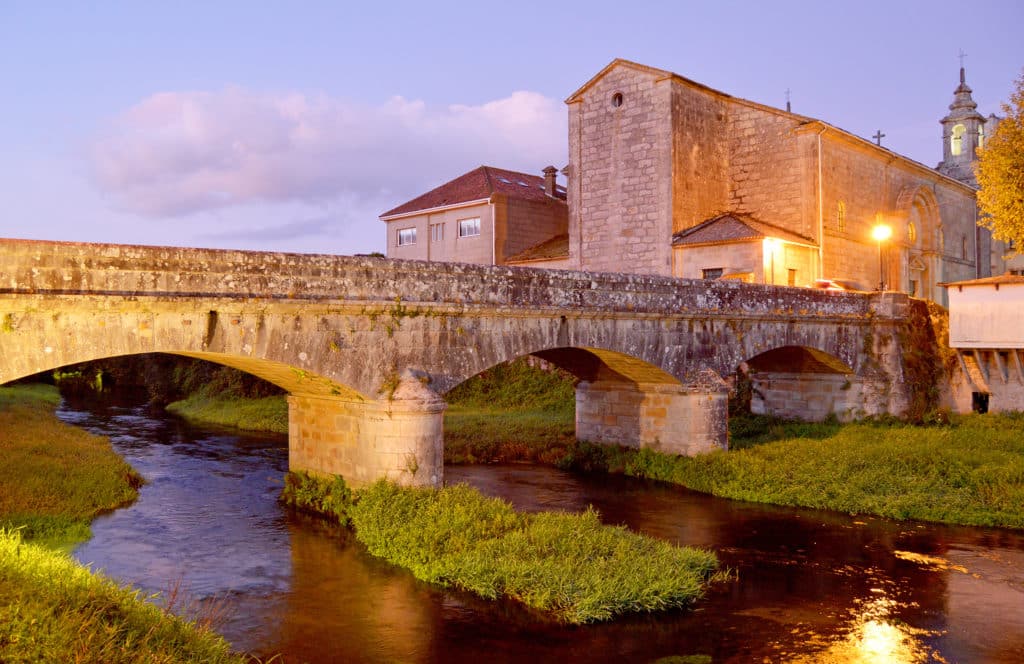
[616, 100]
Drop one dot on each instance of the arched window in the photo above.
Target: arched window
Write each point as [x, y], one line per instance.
[911, 232]
[956, 140]
[841, 217]
[981, 136]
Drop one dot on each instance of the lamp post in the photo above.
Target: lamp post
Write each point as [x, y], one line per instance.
[880, 234]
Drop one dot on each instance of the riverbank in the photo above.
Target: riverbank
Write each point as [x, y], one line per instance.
[567, 566]
[54, 480]
[967, 472]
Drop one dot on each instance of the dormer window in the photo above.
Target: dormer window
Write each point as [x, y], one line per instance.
[956, 140]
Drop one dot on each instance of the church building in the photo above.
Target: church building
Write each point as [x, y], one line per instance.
[670, 177]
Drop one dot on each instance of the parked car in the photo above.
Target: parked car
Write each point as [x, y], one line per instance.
[839, 285]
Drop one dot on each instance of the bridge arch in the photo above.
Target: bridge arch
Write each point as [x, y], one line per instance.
[802, 383]
[624, 400]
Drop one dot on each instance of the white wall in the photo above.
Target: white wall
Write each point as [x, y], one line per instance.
[982, 317]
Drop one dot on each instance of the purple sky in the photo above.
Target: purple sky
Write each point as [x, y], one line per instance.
[291, 126]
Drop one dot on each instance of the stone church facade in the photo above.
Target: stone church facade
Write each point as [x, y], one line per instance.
[667, 176]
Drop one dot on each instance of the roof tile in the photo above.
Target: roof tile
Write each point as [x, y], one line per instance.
[478, 184]
[729, 227]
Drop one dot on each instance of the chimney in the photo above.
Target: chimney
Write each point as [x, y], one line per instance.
[549, 180]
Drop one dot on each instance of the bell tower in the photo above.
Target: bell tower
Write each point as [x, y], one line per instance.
[963, 132]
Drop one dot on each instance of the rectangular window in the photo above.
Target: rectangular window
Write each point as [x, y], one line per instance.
[406, 236]
[791, 277]
[711, 272]
[437, 232]
[469, 227]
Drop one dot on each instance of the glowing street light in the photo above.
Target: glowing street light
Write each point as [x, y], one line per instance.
[770, 246]
[880, 234]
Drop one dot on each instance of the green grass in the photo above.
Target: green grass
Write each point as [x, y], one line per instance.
[55, 478]
[261, 414]
[969, 472]
[54, 610]
[494, 435]
[569, 566]
[511, 412]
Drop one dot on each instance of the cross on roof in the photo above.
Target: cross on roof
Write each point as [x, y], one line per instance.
[787, 99]
[878, 137]
[962, 56]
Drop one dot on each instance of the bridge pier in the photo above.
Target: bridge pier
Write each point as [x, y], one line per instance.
[399, 437]
[682, 419]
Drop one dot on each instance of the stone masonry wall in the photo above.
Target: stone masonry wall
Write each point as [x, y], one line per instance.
[666, 418]
[620, 157]
[700, 156]
[400, 438]
[806, 396]
[870, 189]
[528, 223]
[768, 168]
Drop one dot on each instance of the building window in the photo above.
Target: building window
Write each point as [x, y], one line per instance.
[911, 233]
[711, 272]
[841, 217]
[912, 291]
[981, 136]
[956, 140]
[469, 227]
[436, 232]
[406, 236]
[963, 247]
[791, 277]
[616, 100]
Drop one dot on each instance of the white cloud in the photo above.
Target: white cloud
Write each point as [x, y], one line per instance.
[176, 153]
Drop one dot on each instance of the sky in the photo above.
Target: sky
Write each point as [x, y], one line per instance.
[291, 126]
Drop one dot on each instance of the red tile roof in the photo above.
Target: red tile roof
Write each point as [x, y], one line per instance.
[727, 228]
[476, 185]
[556, 247]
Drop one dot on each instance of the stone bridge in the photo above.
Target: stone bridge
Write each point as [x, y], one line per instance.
[366, 347]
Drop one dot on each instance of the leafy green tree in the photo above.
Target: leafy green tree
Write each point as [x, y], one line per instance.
[1000, 173]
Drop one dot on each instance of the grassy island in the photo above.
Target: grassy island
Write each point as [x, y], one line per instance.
[54, 480]
[568, 566]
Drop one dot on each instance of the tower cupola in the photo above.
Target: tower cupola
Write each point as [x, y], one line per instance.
[963, 132]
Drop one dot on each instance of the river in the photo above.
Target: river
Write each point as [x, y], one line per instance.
[808, 585]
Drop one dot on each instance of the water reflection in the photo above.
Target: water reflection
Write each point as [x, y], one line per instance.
[809, 586]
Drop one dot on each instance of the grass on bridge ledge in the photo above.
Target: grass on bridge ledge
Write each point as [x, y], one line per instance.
[569, 566]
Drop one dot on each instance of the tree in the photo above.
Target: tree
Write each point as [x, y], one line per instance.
[1000, 173]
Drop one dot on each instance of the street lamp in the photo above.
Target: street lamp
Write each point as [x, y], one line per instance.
[880, 234]
[770, 245]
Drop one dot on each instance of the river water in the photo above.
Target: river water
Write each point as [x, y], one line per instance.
[808, 586]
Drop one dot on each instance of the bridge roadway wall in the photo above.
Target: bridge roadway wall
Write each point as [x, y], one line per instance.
[366, 346]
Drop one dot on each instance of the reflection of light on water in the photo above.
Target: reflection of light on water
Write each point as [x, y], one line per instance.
[873, 638]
